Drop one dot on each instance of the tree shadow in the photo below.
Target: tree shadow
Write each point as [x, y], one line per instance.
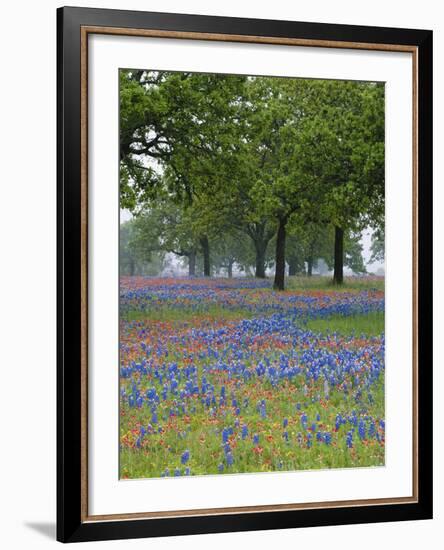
[45, 528]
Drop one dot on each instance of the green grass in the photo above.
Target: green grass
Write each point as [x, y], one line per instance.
[318, 282]
[171, 314]
[371, 324]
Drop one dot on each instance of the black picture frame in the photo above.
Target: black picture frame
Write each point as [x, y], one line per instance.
[71, 523]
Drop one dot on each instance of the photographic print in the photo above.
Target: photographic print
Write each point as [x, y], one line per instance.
[251, 274]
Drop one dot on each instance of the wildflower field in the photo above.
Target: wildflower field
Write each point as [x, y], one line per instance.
[222, 376]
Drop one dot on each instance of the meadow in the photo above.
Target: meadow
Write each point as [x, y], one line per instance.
[223, 376]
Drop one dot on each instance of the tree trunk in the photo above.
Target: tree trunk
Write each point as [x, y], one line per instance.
[338, 276]
[310, 266]
[292, 266]
[230, 268]
[132, 267]
[192, 264]
[260, 261]
[260, 236]
[279, 274]
[206, 255]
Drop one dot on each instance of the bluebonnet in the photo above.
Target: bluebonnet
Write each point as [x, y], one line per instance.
[349, 439]
[244, 431]
[262, 409]
[361, 429]
[185, 457]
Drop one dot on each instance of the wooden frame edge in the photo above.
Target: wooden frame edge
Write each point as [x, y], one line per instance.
[415, 280]
[84, 270]
[251, 39]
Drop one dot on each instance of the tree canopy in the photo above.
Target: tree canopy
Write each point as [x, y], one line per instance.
[227, 167]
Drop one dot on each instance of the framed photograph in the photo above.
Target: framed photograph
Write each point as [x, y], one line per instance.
[244, 274]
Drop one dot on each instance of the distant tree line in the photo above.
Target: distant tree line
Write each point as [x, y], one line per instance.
[252, 172]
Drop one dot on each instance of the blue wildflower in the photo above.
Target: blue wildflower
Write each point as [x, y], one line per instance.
[185, 457]
[361, 429]
[349, 439]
